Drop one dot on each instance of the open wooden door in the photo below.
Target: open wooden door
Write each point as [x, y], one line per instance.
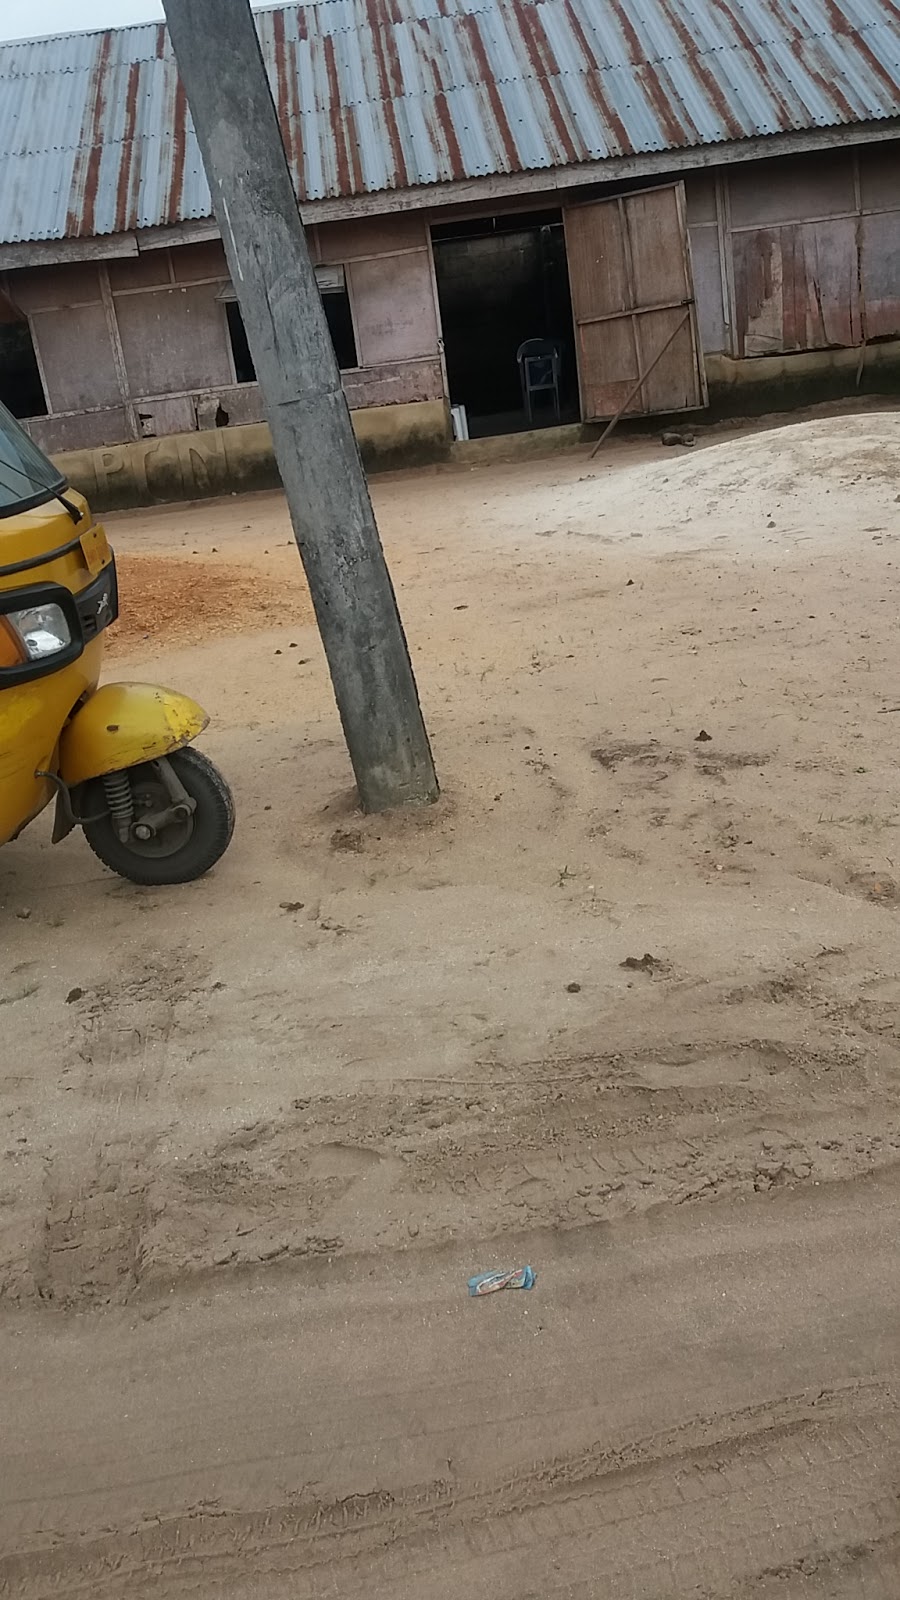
[632, 290]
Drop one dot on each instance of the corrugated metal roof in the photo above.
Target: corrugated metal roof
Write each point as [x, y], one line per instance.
[376, 95]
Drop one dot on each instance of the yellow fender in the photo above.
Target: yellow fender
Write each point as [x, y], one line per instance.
[122, 725]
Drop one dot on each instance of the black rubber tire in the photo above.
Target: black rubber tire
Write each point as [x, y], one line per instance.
[213, 825]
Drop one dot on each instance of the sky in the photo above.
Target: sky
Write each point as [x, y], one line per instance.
[28, 19]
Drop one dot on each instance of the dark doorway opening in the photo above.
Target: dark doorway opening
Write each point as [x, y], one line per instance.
[21, 389]
[244, 370]
[339, 316]
[501, 281]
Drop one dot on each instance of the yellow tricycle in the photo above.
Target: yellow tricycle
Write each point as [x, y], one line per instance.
[117, 759]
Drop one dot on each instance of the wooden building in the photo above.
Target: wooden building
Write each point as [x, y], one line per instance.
[608, 175]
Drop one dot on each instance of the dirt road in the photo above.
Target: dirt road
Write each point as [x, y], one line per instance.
[625, 1004]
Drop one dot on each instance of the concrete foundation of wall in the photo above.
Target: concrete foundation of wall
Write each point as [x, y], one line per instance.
[523, 446]
[784, 382]
[190, 466]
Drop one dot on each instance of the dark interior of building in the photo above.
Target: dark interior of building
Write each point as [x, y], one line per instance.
[501, 281]
[21, 389]
[340, 325]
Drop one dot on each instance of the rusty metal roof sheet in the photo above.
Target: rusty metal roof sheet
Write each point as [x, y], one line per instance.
[375, 95]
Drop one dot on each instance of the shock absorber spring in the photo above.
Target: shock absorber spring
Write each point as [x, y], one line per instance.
[117, 788]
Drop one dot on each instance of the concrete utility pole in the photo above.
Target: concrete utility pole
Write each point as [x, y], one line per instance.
[221, 67]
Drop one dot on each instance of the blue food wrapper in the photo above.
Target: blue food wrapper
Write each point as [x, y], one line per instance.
[511, 1278]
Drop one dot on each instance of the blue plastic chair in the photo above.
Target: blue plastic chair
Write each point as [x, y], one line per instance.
[539, 367]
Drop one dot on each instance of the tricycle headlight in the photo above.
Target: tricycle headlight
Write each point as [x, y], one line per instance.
[43, 630]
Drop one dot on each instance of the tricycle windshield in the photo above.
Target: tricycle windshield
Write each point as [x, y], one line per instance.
[27, 478]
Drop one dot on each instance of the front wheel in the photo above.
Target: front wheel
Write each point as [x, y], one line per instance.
[177, 851]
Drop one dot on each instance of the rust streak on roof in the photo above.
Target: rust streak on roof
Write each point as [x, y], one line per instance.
[90, 151]
[338, 125]
[444, 119]
[179, 141]
[715, 91]
[390, 81]
[546, 68]
[123, 187]
[480, 57]
[840, 27]
[282, 96]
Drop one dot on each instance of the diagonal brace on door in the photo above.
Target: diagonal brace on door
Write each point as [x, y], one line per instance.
[642, 379]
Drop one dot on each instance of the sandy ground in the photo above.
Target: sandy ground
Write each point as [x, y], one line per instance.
[256, 1133]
